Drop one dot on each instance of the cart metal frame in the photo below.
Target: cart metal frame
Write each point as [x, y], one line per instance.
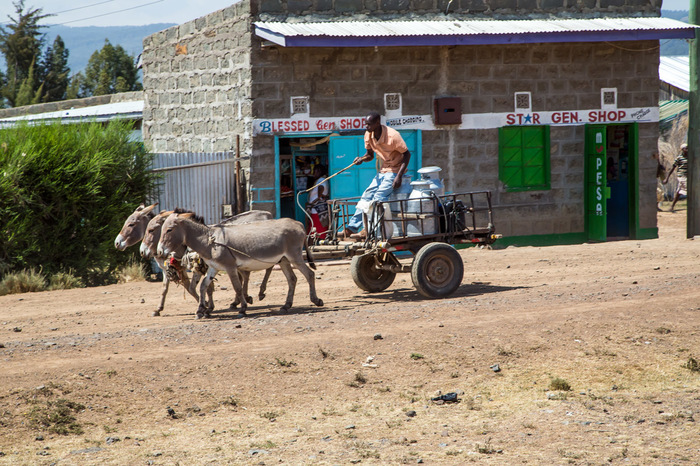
[428, 228]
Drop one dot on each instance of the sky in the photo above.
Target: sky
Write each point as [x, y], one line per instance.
[79, 13]
[138, 12]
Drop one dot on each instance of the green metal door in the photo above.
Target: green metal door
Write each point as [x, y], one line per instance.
[595, 184]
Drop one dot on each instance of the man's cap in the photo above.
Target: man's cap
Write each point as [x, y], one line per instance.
[684, 146]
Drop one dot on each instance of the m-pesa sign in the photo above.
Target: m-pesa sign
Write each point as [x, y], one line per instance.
[298, 125]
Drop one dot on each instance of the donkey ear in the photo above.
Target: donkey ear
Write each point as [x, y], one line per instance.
[140, 208]
[148, 209]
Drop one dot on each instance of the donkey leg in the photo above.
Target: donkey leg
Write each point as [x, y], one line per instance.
[263, 285]
[210, 295]
[191, 285]
[244, 283]
[236, 282]
[310, 277]
[163, 294]
[291, 283]
[203, 310]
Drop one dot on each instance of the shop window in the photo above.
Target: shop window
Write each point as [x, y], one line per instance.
[523, 158]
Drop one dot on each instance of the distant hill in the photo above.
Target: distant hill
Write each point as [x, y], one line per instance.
[674, 46]
[82, 42]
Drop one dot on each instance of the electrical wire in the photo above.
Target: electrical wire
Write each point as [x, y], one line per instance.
[110, 13]
[80, 7]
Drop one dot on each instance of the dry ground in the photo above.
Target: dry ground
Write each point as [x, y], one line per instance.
[619, 322]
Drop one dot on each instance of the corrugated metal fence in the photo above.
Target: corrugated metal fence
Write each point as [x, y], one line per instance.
[201, 182]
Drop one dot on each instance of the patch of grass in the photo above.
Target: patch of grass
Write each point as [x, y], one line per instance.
[692, 364]
[559, 384]
[111, 373]
[417, 356]
[56, 417]
[331, 411]
[109, 430]
[65, 281]
[266, 445]
[663, 330]
[487, 448]
[230, 401]
[285, 363]
[133, 271]
[270, 415]
[358, 381]
[24, 281]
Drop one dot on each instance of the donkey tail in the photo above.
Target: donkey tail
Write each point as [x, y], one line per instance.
[309, 256]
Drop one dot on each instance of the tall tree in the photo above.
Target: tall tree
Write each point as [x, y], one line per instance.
[110, 70]
[21, 42]
[54, 72]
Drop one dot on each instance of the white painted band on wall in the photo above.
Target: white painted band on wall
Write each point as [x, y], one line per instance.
[469, 120]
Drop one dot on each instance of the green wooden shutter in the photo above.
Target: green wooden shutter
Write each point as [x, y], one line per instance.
[524, 157]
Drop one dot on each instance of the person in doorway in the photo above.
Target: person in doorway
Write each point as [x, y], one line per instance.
[680, 165]
[394, 157]
[316, 204]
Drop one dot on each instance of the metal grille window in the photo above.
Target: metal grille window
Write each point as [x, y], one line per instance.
[523, 158]
[300, 105]
[392, 101]
[523, 101]
[608, 98]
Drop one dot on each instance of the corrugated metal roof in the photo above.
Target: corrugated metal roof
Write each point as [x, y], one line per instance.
[470, 32]
[675, 71]
[668, 109]
[131, 109]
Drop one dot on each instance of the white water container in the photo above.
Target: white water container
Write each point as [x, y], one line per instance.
[433, 175]
[403, 191]
[422, 205]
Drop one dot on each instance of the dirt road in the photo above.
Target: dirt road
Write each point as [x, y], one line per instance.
[352, 382]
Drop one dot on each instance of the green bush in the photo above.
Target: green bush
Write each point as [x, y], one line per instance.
[65, 191]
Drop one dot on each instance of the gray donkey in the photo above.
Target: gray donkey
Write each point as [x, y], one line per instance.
[248, 247]
[144, 224]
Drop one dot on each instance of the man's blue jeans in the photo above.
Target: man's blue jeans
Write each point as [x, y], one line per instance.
[378, 190]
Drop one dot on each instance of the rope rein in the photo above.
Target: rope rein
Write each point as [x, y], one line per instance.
[231, 250]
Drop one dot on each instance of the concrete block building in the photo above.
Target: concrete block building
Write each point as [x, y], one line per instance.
[550, 105]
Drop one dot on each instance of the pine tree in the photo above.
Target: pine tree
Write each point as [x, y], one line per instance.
[110, 70]
[54, 72]
[21, 44]
[26, 95]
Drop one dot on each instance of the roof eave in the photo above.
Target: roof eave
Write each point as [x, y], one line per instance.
[473, 39]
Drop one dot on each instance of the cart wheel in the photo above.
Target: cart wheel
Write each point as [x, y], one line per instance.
[369, 278]
[437, 270]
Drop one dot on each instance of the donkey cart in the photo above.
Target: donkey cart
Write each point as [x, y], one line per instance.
[426, 227]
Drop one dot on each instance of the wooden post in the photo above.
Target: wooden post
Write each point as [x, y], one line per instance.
[693, 222]
[239, 197]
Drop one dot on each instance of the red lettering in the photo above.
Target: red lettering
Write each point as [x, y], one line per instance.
[536, 118]
[510, 119]
[621, 114]
[556, 117]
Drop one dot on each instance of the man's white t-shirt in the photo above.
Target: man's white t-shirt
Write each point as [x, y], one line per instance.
[313, 195]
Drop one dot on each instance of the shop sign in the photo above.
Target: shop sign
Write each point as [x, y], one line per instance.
[469, 120]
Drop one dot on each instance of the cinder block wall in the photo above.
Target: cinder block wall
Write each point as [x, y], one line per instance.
[196, 79]
[474, 8]
[352, 82]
